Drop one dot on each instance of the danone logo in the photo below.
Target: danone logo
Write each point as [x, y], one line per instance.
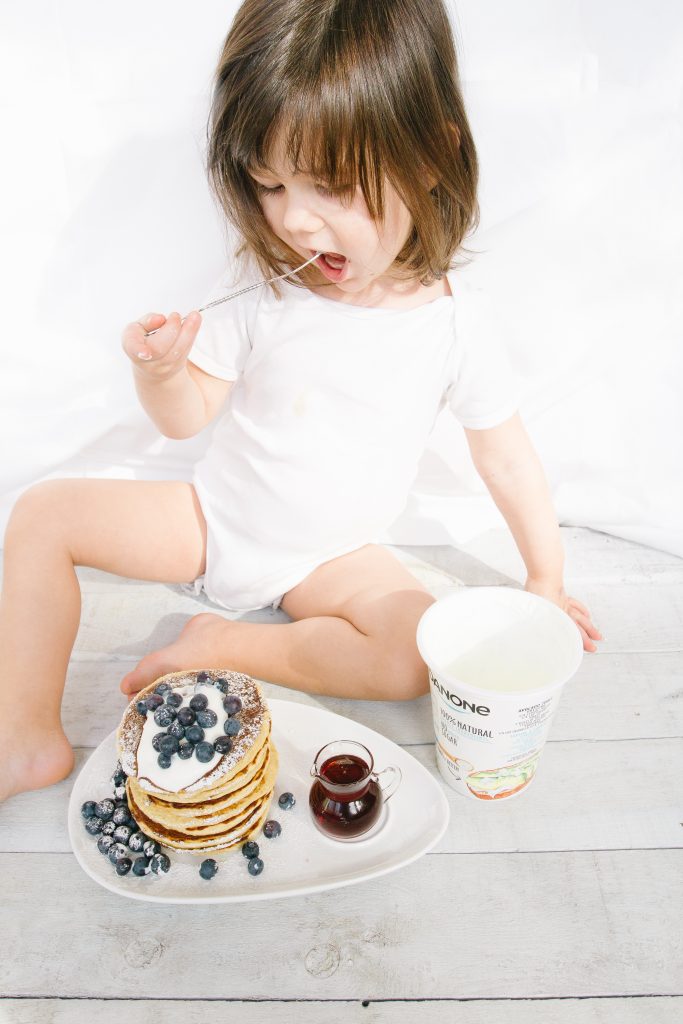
[457, 703]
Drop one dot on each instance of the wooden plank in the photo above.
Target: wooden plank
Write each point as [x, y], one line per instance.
[587, 796]
[652, 1010]
[447, 926]
[615, 696]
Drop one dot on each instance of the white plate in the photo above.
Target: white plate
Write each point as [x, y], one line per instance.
[301, 860]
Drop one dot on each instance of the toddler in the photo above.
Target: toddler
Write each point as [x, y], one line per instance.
[337, 128]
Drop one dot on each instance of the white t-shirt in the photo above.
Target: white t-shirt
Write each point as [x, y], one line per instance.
[319, 442]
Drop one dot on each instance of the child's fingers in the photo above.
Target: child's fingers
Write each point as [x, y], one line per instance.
[172, 339]
[584, 622]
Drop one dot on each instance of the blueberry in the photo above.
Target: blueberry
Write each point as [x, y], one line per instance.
[207, 719]
[121, 815]
[176, 729]
[150, 847]
[93, 826]
[250, 849]
[88, 809]
[174, 699]
[141, 866]
[185, 750]
[141, 708]
[109, 827]
[199, 702]
[104, 809]
[136, 841]
[208, 868]
[222, 684]
[116, 852]
[123, 834]
[204, 752]
[202, 677]
[123, 866]
[162, 688]
[286, 801]
[186, 716]
[194, 733]
[164, 760]
[168, 745]
[154, 701]
[232, 704]
[222, 744]
[119, 776]
[164, 715]
[157, 740]
[160, 863]
[231, 727]
[272, 829]
[103, 844]
[255, 866]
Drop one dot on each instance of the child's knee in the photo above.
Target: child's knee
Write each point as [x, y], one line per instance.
[404, 674]
[36, 511]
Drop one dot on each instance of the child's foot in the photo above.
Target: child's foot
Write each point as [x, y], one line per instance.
[201, 644]
[33, 760]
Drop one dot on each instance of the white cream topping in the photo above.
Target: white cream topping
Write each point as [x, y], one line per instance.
[181, 773]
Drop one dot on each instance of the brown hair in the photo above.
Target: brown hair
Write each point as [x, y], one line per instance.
[361, 89]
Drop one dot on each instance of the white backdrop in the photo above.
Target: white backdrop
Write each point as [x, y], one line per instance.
[577, 112]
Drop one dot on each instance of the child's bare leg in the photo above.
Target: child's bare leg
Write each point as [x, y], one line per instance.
[145, 530]
[354, 636]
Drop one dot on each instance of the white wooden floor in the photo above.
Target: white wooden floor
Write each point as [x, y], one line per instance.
[561, 906]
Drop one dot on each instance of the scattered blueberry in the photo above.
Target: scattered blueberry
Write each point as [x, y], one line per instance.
[204, 751]
[150, 847]
[232, 704]
[250, 849]
[222, 684]
[222, 744]
[164, 760]
[186, 716]
[159, 863]
[121, 815]
[194, 733]
[185, 750]
[157, 740]
[142, 708]
[93, 826]
[109, 827]
[199, 702]
[272, 829]
[164, 715]
[116, 852]
[176, 729]
[123, 866]
[88, 809]
[123, 834]
[162, 688]
[255, 866]
[141, 866]
[202, 677]
[103, 844]
[168, 745]
[231, 727]
[154, 701]
[174, 699]
[207, 719]
[286, 801]
[104, 809]
[136, 841]
[208, 868]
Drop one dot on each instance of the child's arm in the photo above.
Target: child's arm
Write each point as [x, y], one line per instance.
[178, 397]
[509, 466]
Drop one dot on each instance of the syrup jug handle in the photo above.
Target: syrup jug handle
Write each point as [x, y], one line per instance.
[392, 785]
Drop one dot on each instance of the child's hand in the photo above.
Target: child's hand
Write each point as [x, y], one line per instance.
[574, 609]
[165, 353]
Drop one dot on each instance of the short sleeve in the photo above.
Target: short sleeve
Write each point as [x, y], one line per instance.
[223, 342]
[482, 390]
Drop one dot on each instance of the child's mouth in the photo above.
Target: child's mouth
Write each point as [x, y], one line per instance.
[332, 264]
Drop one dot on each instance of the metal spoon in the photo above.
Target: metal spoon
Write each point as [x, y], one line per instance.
[249, 288]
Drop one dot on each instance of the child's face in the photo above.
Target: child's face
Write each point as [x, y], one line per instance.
[305, 215]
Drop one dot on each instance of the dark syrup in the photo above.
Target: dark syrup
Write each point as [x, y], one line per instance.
[348, 814]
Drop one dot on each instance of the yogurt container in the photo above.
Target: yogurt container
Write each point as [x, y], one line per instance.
[498, 658]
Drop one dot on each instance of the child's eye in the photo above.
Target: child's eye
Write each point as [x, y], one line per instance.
[266, 190]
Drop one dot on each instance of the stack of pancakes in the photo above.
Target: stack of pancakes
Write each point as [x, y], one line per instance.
[220, 805]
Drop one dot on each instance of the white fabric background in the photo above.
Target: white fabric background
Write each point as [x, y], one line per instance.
[577, 111]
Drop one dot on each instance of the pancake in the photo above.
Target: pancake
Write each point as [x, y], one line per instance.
[183, 803]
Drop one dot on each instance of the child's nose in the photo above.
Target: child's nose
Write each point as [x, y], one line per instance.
[299, 217]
